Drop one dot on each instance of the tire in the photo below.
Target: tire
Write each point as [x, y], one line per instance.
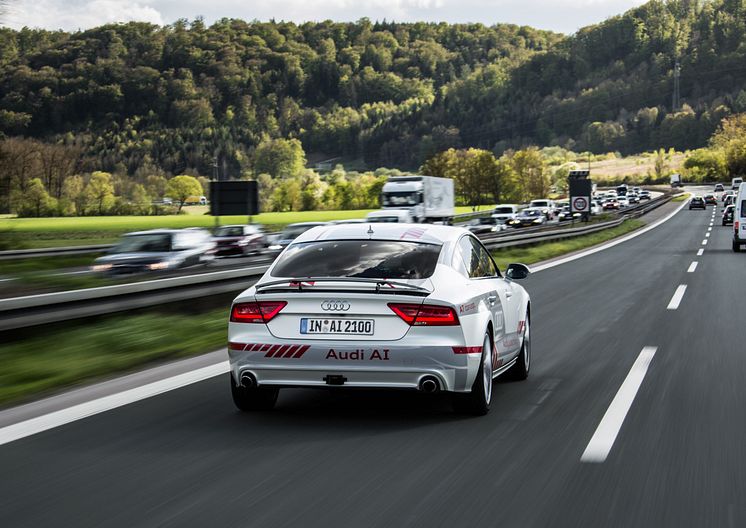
[477, 402]
[519, 371]
[255, 399]
[736, 247]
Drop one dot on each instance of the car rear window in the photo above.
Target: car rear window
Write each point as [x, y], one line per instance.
[145, 243]
[503, 210]
[375, 259]
[229, 231]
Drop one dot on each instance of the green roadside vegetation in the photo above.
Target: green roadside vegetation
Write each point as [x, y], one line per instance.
[681, 197]
[32, 233]
[541, 252]
[85, 350]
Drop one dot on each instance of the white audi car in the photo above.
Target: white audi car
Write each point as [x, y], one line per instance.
[389, 306]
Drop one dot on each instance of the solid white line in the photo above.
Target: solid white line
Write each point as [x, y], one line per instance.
[615, 242]
[677, 296]
[603, 439]
[692, 267]
[107, 403]
[704, 242]
[701, 252]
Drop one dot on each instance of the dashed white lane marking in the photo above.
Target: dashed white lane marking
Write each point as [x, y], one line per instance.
[709, 229]
[704, 242]
[701, 252]
[707, 235]
[605, 436]
[677, 296]
[77, 412]
[692, 267]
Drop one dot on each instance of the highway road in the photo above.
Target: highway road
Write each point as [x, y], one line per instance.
[632, 416]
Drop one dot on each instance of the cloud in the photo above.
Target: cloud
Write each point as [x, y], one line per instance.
[78, 14]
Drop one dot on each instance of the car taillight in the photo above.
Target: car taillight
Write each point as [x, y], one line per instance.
[735, 225]
[425, 314]
[256, 312]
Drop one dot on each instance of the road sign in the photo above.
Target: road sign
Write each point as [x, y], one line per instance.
[234, 198]
[580, 204]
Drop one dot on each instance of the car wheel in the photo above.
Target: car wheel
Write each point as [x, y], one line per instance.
[519, 371]
[477, 402]
[736, 247]
[254, 399]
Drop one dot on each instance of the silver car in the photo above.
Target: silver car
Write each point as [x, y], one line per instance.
[389, 306]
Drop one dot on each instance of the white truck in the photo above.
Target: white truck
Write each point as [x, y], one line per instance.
[427, 198]
[676, 180]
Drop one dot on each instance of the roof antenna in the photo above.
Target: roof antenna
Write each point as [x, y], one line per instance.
[370, 229]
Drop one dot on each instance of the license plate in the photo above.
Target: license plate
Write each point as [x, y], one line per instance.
[336, 326]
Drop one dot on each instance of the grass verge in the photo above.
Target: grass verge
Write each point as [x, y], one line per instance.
[32, 233]
[681, 197]
[540, 252]
[69, 355]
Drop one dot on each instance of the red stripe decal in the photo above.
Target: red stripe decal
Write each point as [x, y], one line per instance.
[291, 350]
[521, 326]
[467, 350]
[236, 346]
[255, 347]
[272, 351]
[281, 352]
[301, 351]
[265, 348]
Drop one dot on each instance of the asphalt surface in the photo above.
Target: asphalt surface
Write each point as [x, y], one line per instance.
[187, 458]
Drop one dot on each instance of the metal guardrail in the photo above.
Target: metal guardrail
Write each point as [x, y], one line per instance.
[52, 252]
[34, 310]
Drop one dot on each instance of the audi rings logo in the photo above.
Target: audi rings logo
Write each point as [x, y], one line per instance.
[335, 306]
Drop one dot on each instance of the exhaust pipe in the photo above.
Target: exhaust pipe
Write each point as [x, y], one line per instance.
[247, 381]
[429, 385]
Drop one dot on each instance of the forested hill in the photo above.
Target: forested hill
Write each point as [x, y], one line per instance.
[138, 96]
[175, 96]
[610, 87]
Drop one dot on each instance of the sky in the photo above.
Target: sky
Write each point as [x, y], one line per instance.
[565, 16]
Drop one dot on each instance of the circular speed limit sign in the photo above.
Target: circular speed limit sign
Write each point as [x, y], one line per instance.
[580, 204]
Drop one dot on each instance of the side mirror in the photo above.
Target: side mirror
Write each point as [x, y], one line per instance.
[517, 271]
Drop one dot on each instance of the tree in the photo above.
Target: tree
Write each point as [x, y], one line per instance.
[280, 158]
[531, 178]
[660, 165]
[155, 185]
[99, 191]
[730, 139]
[73, 198]
[36, 200]
[180, 188]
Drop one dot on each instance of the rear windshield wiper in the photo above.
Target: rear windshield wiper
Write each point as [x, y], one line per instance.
[299, 284]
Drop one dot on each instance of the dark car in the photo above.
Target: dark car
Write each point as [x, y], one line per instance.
[565, 214]
[290, 233]
[697, 202]
[528, 217]
[728, 215]
[239, 240]
[729, 200]
[710, 199]
[156, 250]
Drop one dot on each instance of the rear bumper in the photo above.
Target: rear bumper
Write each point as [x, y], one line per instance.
[287, 363]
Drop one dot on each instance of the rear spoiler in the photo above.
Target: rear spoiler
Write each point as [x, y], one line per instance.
[381, 285]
